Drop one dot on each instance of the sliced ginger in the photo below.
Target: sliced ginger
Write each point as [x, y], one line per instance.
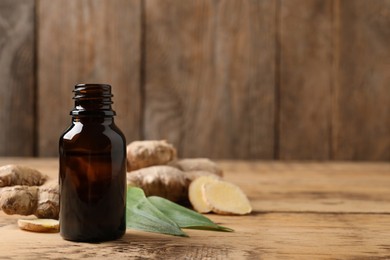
[195, 193]
[209, 193]
[225, 198]
[39, 225]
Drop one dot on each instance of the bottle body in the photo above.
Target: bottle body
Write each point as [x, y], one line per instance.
[92, 179]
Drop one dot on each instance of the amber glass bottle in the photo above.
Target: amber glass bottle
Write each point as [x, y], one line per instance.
[92, 169]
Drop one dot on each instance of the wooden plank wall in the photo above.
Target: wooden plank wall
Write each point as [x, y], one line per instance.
[305, 79]
[95, 42]
[244, 79]
[202, 79]
[17, 90]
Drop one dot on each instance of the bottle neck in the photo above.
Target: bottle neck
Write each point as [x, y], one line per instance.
[100, 120]
[92, 100]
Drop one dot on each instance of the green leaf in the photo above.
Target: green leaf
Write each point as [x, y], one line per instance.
[143, 215]
[185, 218]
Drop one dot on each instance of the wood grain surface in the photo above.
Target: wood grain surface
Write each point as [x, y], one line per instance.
[301, 211]
[202, 83]
[87, 42]
[17, 92]
[305, 79]
[362, 105]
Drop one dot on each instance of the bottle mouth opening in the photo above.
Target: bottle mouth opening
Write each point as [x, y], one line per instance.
[93, 91]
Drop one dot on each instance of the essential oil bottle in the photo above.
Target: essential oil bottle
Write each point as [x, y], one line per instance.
[92, 174]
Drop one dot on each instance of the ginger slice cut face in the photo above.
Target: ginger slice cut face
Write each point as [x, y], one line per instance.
[195, 194]
[226, 198]
[39, 225]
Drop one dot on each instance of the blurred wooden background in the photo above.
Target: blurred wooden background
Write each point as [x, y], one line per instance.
[242, 79]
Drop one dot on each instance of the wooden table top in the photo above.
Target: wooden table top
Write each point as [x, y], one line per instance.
[301, 211]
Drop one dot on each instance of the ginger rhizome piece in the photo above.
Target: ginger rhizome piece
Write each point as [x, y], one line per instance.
[11, 175]
[141, 154]
[20, 200]
[42, 201]
[48, 201]
[197, 164]
[164, 181]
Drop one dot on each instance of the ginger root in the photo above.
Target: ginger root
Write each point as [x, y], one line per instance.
[152, 166]
[164, 181]
[42, 202]
[141, 154]
[20, 200]
[210, 194]
[11, 175]
[197, 164]
[48, 201]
